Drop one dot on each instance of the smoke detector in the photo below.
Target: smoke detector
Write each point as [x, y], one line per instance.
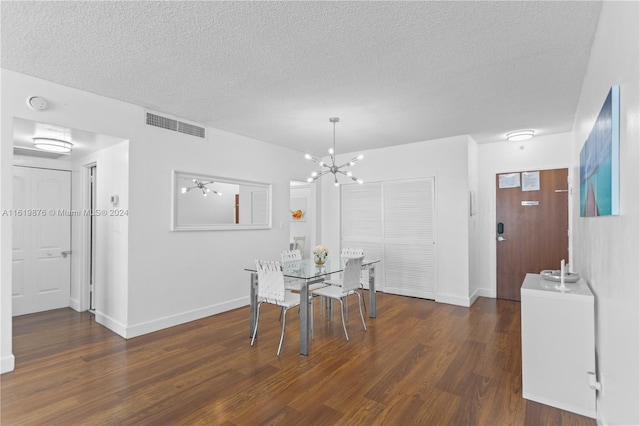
[37, 103]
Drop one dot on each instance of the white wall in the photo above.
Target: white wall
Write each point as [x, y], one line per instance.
[607, 249]
[472, 213]
[167, 277]
[539, 153]
[112, 230]
[446, 160]
[178, 276]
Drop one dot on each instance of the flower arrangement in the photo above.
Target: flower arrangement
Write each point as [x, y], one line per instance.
[320, 254]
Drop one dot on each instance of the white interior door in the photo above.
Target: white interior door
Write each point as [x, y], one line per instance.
[41, 239]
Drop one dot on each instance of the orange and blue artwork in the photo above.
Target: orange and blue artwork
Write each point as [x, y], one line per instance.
[600, 162]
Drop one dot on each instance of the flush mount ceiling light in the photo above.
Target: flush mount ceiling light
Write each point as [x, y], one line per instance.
[201, 185]
[333, 168]
[52, 145]
[520, 135]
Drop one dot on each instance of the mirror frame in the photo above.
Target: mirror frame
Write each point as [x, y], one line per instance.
[175, 226]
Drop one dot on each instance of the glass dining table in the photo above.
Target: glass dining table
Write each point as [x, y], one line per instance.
[309, 273]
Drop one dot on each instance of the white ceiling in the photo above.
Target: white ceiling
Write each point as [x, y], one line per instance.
[394, 72]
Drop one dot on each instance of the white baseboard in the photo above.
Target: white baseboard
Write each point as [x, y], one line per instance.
[75, 305]
[454, 300]
[561, 405]
[465, 301]
[111, 324]
[183, 317]
[482, 292]
[7, 364]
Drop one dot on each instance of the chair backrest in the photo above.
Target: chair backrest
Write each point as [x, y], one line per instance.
[298, 244]
[290, 255]
[291, 261]
[351, 252]
[270, 280]
[351, 274]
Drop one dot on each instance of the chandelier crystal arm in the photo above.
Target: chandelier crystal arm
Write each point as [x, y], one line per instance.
[350, 176]
[352, 161]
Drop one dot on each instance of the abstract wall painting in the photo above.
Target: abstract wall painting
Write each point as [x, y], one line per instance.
[600, 162]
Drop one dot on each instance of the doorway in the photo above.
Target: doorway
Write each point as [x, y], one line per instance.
[302, 217]
[532, 226]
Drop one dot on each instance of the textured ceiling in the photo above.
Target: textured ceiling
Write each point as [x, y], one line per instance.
[394, 72]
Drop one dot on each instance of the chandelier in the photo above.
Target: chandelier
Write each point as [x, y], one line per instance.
[201, 185]
[333, 168]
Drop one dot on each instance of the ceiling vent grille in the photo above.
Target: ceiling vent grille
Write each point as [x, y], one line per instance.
[175, 125]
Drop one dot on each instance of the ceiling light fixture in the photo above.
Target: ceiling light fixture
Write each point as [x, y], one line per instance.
[52, 145]
[333, 168]
[201, 185]
[520, 135]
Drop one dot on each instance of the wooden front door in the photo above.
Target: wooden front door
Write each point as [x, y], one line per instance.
[532, 226]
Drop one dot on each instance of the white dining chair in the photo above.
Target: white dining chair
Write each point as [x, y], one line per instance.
[290, 255]
[298, 244]
[346, 253]
[350, 283]
[271, 289]
[292, 259]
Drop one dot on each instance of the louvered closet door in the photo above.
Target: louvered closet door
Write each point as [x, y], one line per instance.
[409, 239]
[394, 222]
[362, 223]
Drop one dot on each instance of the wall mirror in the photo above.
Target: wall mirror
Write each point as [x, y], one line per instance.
[204, 203]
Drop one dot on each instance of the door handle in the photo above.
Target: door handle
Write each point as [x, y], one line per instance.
[501, 238]
[65, 253]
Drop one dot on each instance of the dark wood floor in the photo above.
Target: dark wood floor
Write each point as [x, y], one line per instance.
[419, 363]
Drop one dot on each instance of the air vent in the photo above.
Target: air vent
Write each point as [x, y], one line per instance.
[175, 125]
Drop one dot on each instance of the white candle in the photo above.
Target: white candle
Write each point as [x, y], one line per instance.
[562, 273]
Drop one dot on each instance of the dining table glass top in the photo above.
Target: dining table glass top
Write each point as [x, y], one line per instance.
[307, 268]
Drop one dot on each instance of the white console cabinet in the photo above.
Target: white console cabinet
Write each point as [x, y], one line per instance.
[558, 348]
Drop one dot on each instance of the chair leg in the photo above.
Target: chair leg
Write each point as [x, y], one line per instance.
[342, 316]
[255, 329]
[346, 302]
[360, 306]
[364, 301]
[284, 324]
